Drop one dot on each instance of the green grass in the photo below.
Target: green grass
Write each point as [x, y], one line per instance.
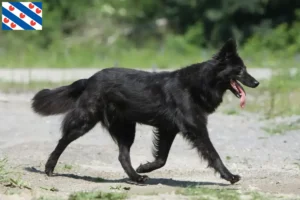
[3, 170]
[12, 191]
[87, 56]
[31, 86]
[52, 189]
[119, 187]
[11, 179]
[228, 158]
[231, 111]
[68, 167]
[18, 183]
[174, 52]
[281, 128]
[199, 193]
[297, 164]
[94, 195]
[49, 198]
[279, 96]
[97, 196]
[65, 167]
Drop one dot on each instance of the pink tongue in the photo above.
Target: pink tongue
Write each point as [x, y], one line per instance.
[243, 96]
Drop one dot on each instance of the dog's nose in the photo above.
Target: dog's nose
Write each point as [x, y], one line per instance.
[255, 83]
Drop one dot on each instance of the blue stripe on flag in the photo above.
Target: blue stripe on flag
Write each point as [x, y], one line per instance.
[27, 12]
[15, 19]
[5, 27]
[38, 4]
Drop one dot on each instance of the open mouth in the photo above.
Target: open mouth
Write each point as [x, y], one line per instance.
[238, 91]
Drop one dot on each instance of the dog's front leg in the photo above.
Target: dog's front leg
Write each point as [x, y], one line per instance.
[191, 120]
[198, 136]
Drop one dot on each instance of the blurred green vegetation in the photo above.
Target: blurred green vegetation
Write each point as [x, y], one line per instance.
[146, 33]
[223, 194]
[279, 96]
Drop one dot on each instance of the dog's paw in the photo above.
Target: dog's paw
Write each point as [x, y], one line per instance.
[140, 180]
[140, 169]
[145, 168]
[49, 171]
[232, 178]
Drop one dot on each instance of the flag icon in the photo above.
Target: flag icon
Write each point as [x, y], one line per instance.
[22, 16]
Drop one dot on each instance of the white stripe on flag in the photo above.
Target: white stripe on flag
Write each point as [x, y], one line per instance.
[17, 13]
[26, 4]
[8, 24]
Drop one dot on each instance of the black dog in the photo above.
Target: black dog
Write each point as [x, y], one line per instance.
[172, 102]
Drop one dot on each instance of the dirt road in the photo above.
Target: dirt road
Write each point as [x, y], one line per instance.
[266, 163]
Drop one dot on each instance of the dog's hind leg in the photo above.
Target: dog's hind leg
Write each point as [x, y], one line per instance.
[76, 123]
[123, 133]
[162, 144]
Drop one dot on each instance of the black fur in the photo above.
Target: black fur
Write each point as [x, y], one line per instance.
[45, 102]
[172, 102]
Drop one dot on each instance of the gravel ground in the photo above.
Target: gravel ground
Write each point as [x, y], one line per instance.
[266, 163]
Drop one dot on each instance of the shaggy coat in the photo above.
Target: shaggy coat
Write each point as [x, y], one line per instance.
[172, 102]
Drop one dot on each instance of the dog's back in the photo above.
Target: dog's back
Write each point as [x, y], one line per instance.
[133, 94]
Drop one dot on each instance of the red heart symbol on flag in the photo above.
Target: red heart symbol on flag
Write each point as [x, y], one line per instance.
[38, 11]
[22, 15]
[6, 20]
[31, 6]
[32, 23]
[11, 8]
[13, 25]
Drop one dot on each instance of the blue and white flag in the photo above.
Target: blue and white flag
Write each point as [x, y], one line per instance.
[22, 16]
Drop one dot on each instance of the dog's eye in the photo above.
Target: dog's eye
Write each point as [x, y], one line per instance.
[241, 71]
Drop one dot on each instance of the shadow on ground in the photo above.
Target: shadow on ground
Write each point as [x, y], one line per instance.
[152, 181]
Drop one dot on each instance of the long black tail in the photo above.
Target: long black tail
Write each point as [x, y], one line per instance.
[59, 100]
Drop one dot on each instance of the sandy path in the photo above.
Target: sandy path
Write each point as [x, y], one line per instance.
[266, 163]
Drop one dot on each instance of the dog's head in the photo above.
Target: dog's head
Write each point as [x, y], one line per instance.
[233, 70]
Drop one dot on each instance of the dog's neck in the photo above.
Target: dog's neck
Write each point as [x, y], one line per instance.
[204, 86]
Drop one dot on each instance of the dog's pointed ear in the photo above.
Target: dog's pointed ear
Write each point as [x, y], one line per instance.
[229, 48]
